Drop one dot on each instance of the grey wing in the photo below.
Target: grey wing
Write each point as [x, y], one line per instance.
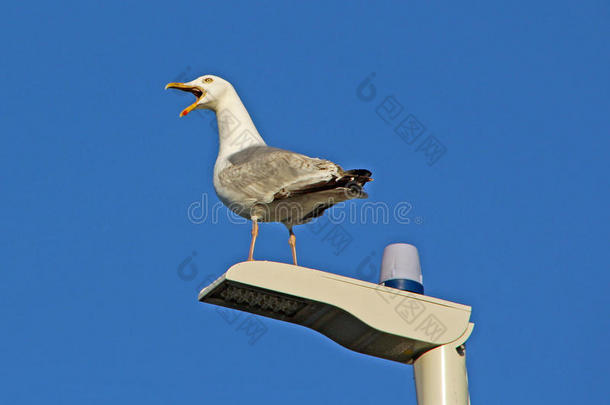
[263, 173]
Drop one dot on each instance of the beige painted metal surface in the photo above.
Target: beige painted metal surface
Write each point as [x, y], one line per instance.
[441, 377]
[365, 317]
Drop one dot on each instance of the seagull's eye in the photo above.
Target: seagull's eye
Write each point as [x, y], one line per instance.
[208, 80]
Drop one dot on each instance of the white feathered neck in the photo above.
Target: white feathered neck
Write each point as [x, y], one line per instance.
[236, 131]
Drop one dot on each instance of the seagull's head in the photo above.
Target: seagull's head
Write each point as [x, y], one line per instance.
[208, 89]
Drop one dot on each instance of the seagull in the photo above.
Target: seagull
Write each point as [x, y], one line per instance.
[262, 183]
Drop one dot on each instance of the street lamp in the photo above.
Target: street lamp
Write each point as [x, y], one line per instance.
[368, 318]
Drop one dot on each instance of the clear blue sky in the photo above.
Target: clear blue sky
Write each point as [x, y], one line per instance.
[98, 278]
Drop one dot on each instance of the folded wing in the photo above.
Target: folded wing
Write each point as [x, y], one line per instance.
[265, 174]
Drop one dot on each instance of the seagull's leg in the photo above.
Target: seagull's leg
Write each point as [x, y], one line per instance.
[292, 241]
[254, 235]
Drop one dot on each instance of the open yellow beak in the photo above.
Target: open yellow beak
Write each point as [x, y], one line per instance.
[196, 91]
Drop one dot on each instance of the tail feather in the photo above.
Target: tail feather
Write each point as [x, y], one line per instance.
[354, 181]
[358, 176]
[359, 172]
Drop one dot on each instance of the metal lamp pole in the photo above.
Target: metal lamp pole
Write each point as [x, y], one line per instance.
[440, 373]
[441, 377]
[392, 320]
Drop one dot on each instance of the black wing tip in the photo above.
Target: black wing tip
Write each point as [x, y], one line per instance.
[360, 176]
[359, 172]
